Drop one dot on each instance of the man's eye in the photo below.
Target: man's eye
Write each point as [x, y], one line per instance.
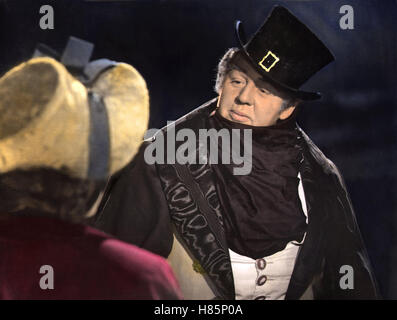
[264, 90]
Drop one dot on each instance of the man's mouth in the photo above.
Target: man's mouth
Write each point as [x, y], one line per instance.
[238, 116]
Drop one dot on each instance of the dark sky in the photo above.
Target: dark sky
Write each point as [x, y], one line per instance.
[176, 45]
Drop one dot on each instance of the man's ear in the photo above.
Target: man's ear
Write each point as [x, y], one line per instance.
[287, 112]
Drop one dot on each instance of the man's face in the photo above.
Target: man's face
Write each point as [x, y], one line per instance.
[248, 99]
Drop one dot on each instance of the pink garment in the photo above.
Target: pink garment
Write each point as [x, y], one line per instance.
[86, 263]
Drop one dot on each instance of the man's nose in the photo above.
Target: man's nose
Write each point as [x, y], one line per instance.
[246, 94]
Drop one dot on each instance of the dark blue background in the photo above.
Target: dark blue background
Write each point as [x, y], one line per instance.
[176, 45]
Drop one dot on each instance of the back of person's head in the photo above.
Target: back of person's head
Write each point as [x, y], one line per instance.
[60, 139]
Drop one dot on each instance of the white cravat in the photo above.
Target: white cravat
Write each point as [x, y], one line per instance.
[266, 278]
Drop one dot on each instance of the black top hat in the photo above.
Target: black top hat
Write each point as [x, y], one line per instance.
[285, 52]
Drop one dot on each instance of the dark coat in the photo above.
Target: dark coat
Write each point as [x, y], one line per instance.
[143, 199]
[86, 263]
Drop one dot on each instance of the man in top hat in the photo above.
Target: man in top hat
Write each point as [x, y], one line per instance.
[59, 141]
[285, 230]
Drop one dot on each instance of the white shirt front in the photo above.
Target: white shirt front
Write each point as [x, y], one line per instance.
[267, 278]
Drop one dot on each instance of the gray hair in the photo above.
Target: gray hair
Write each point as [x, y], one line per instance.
[224, 67]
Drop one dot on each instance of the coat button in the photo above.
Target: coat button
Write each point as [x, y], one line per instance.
[261, 280]
[261, 264]
[260, 298]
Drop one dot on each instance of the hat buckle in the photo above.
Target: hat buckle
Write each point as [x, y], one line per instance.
[270, 59]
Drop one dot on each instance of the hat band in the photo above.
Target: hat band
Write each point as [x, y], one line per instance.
[99, 138]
